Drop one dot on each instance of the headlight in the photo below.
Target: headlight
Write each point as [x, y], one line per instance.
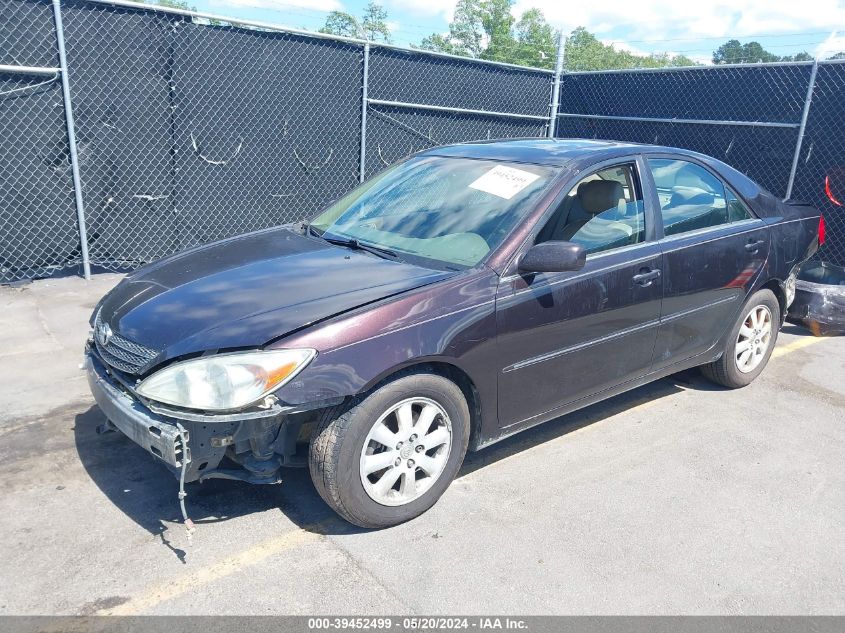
[225, 381]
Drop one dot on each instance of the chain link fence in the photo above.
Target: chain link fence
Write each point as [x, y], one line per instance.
[416, 101]
[820, 160]
[781, 124]
[187, 128]
[38, 229]
[190, 132]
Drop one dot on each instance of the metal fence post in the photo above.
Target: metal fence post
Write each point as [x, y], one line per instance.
[71, 139]
[561, 46]
[362, 161]
[801, 128]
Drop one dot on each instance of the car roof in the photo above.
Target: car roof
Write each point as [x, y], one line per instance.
[546, 151]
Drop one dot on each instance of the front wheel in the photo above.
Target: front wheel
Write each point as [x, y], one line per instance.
[750, 343]
[387, 458]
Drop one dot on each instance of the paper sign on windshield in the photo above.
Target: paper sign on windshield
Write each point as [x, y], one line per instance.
[504, 182]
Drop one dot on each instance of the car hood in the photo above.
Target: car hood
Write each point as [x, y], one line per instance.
[249, 290]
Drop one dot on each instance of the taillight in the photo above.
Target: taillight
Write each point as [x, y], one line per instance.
[821, 230]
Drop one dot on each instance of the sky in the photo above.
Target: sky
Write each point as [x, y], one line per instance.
[694, 29]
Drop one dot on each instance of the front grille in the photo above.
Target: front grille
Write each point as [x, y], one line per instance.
[123, 354]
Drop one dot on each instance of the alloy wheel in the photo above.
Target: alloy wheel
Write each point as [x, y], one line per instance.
[406, 451]
[754, 338]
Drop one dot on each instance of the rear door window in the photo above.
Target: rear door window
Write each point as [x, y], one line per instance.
[691, 197]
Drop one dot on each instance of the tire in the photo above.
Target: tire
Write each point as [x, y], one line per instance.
[736, 368]
[354, 436]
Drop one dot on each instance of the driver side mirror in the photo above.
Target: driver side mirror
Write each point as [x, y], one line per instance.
[553, 257]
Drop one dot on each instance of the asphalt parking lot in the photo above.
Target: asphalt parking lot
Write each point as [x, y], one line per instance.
[678, 497]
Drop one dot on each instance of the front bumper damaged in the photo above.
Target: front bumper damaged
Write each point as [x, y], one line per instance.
[249, 446]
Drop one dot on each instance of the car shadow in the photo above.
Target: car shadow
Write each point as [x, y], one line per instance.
[146, 492]
[795, 330]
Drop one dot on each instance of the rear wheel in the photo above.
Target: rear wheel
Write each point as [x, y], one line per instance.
[387, 458]
[750, 343]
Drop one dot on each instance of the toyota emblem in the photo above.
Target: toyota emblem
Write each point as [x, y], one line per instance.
[104, 334]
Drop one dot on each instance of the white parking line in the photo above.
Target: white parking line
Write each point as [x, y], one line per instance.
[181, 585]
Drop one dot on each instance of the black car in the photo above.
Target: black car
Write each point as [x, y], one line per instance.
[456, 298]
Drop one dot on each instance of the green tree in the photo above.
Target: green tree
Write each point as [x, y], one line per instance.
[803, 56]
[536, 41]
[733, 52]
[372, 25]
[497, 22]
[466, 32]
[487, 29]
[343, 24]
[584, 51]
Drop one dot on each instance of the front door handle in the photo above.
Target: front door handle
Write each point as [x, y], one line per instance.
[646, 276]
[753, 247]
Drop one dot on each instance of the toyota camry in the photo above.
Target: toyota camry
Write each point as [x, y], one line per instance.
[460, 296]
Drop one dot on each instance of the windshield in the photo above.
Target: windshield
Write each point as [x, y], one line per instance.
[449, 210]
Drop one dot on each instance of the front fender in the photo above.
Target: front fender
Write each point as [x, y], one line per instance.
[452, 322]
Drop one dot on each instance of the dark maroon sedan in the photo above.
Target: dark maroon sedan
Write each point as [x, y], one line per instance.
[459, 297]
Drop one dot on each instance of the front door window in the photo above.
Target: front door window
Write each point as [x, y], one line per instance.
[601, 212]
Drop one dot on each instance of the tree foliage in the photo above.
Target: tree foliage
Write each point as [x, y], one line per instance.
[733, 52]
[466, 34]
[536, 41]
[584, 51]
[372, 25]
[487, 29]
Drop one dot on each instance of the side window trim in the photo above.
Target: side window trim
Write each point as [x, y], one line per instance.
[745, 205]
[651, 204]
[620, 249]
[716, 232]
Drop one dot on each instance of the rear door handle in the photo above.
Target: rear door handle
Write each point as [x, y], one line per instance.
[753, 247]
[646, 276]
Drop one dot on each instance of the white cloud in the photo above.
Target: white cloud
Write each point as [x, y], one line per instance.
[704, 60]
[429, 8]
[832, 45]
[280, 5]
[692, 29]
[669, 19]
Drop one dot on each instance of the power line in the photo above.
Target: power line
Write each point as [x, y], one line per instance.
[729, 37]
